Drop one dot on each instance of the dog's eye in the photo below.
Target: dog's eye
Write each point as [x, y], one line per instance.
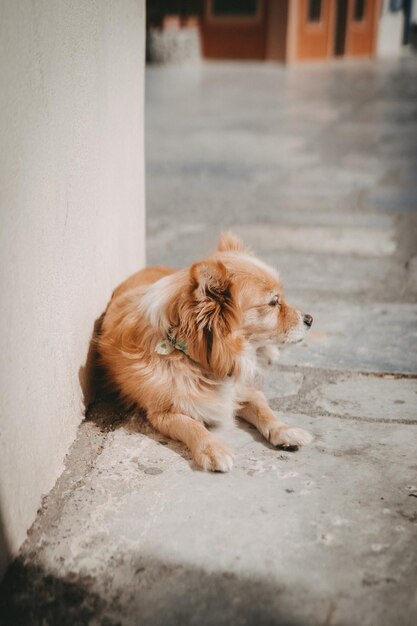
[275, 301]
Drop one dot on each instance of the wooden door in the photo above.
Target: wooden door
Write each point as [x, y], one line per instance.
[361, 27]
[314, 29]
[234, 29]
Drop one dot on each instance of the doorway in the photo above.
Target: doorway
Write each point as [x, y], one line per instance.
[328, 29]
[340, 28]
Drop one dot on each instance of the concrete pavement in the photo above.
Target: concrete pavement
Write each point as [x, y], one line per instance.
[315, 167]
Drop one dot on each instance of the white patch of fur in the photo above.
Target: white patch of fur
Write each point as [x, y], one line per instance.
[215, 457]
[260, 316]
[298, 332]
[261, 265]
[248, 362]
[270, 319]
[155, 298]
[289, 436]
[214, 407]
[251, 317]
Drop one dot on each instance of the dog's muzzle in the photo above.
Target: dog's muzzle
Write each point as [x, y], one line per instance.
[308, 320]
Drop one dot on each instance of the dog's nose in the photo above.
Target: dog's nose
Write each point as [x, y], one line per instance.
[308, 320]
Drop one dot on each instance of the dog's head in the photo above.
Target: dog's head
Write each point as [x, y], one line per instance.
[231, 299]
[266, 317]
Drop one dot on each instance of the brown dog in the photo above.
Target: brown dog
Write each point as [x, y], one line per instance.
[185, 345]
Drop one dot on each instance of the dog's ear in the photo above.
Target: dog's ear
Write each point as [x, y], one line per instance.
[228, 242]
[214, 318]
[211, 283]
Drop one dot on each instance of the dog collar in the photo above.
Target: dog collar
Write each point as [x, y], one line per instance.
[168, 345]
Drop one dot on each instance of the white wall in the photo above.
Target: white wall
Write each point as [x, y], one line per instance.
[390, 32]
[71, 221]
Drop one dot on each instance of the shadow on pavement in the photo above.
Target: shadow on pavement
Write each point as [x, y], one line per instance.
[154, 594]
[4, 547]
[31, 597]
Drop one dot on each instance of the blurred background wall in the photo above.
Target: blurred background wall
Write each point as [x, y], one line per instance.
[278, 30]
[72, 221]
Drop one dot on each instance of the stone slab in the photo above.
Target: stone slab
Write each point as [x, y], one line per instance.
[412, 275]
[264, 544]
[375, 398]
[330, 274]
[282, 384]
[395, 199]
[354, 337]
[300, 271]
[368, 242]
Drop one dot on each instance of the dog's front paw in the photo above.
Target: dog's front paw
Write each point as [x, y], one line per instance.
[289, 436]
[215, 456]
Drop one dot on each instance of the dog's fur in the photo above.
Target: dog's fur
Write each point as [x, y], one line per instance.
[223, 312]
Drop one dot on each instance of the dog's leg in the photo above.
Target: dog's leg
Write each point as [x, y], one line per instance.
[268, 354]
[254, 409]
[208, 451]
